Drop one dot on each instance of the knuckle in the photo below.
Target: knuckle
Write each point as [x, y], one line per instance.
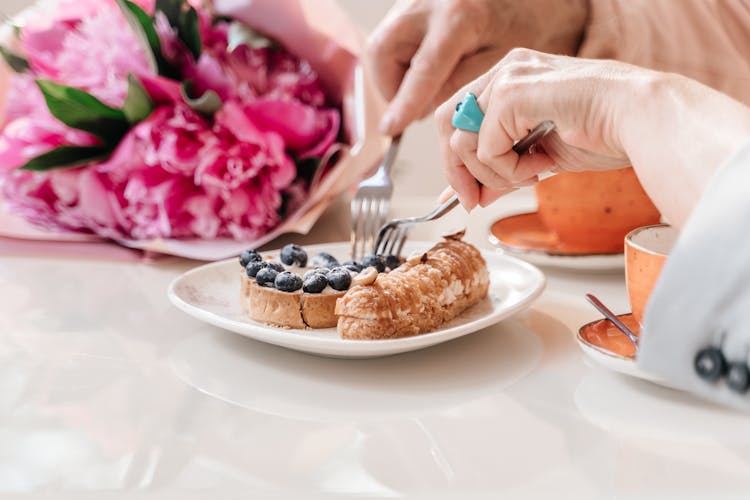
[484, 155]
[518, 54]
[457, 8]
[465, 9]
[423, 65]
[443, 116]
[457, 142]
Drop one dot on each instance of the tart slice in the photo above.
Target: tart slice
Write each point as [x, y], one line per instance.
[288, 293]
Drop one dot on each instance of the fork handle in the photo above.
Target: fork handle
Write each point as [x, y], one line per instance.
[521, 147]
[390, 156]
[537, 134]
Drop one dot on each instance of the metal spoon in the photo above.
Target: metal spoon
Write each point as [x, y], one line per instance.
[613, 318]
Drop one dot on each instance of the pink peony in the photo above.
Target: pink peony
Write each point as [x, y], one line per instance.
[30, 129]
[178, 173]
[95, 53]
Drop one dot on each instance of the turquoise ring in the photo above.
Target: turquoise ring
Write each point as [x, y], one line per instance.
[468, 116]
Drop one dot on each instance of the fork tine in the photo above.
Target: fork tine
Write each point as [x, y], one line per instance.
[364, 227]
[385, 208]
[404, 234]
[372, 225]
[382, 216]
[356, 209]
[376, 221]
[364, 224]
[383, 237]
[389, 247]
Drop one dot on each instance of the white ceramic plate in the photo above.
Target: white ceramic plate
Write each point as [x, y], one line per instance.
[614, 362]
[211, 294]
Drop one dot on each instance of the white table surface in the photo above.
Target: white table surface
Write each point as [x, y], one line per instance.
[106, 388]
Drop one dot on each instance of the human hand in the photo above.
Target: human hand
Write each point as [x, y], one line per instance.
[425, 50]
[584, 98]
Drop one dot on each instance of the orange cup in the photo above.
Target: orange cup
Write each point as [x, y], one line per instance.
[593, 211]
[646, 250]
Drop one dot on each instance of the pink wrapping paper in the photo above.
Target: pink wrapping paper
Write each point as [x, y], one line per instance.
[316, 30]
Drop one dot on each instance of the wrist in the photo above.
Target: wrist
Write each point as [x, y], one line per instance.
[677, 133]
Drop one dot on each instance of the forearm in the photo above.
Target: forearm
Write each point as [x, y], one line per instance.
[698, 130]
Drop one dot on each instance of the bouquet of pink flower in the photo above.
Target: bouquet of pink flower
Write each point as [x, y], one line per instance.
[139, 120]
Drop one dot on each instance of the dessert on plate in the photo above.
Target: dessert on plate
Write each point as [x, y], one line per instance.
[426, 291]
[381, 297]
[287, 292]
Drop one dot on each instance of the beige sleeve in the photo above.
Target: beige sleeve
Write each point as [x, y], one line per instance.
[708, 40]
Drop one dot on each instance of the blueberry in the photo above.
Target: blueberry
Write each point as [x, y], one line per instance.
[293, 254]
[318, 270]
[315, 283]
[276, 266]
[392, 261]
[266, 276]
[342, 269]
[324, 260]
[375, 261]
[353, 265]
[287, 282]
[253, 267]
[249, 256]
[339, 279]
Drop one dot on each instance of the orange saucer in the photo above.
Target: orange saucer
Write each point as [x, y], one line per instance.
[607, 338]
[526, 233]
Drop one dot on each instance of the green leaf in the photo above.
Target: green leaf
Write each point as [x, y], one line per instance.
[138, 105]
[207, 104]
[184, 19]
[239, 34]
[16, 62]
[82, 111]
[171, 9]
[143, 27]
[190, 32]
[67, 157]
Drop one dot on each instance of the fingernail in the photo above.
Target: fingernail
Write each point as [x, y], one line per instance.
[447, 193]
[466, 206]
[386, 124]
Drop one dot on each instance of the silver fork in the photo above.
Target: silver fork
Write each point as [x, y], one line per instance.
[372, 202]
[392, 236]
